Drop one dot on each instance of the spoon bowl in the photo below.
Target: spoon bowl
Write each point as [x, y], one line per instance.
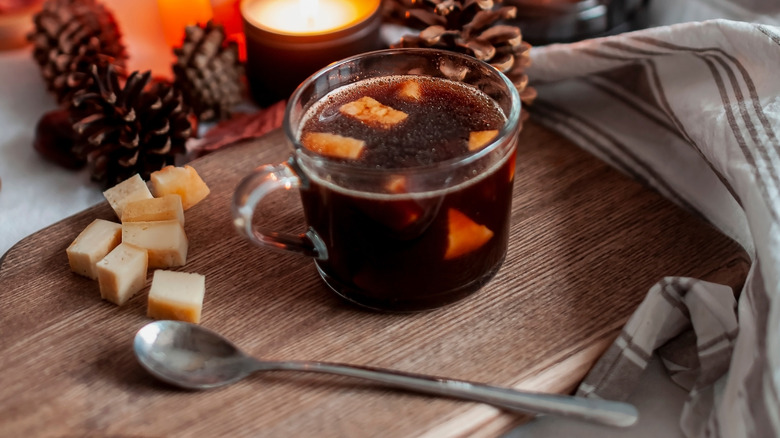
[193, 357]
[189, 356]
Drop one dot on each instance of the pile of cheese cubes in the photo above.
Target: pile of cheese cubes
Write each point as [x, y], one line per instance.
[151, 235]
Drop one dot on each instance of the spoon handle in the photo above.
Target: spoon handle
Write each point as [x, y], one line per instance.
[606, 412]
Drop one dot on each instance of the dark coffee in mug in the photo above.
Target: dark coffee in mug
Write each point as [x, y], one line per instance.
[392, 246]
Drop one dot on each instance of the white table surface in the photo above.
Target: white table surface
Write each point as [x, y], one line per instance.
[35, 194]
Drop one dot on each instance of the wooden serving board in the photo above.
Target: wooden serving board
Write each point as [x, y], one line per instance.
[586, 244]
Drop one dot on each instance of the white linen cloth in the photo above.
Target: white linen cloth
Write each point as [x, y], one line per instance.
[692, 110]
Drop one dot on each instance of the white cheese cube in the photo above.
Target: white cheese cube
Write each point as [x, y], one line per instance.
[165, 241]
[129, 190]
[183, 181]
[410, 90]
[165, 208]
[333, 145]
[373, 113]
[176, 295]
[480, 139]
[122, 273]
[91, 245]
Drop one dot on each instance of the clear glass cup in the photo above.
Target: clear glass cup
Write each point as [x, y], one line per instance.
[360, 235]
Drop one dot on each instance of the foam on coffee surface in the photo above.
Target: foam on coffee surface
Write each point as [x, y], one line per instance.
[405, 121]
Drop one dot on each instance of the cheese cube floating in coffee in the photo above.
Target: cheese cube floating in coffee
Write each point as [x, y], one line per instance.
[165, 241]
[176, 295]
[410, 90]
[129, 190]
[333, 145]
[479, 139]
[373, 113]
[464, 235]
[122, 273]
[182, 181]
[91, 245]
[168, 207]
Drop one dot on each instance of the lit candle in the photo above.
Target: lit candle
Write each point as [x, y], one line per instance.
[287, 40]
[178, 14]
[307, 17]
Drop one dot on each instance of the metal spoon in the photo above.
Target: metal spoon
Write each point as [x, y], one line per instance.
[192, 357]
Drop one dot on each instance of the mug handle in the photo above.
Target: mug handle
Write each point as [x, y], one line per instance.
[251, 190]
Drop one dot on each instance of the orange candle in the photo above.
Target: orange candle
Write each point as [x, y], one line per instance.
[178, 14]
[287, 40]
[228, 14]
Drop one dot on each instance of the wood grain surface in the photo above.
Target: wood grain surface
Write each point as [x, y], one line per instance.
[586, 244]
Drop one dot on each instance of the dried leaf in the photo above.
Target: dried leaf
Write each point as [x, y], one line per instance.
[240, 127]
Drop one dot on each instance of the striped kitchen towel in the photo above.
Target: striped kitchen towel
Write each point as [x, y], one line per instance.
[693, 111]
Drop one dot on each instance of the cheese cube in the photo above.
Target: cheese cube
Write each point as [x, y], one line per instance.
[464, 235]
[333, 145]
[122, 273]
[91, 245]
[182, 181]
[176, 295]
[165, 241]
[129, 190]
[478, 139]
[372, 112]
[410, 90]
[168, 207]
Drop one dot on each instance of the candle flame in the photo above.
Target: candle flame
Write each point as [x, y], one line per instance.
[308, 6]
[309, 9]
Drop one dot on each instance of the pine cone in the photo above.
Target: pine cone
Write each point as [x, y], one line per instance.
[124, 130]
[208, 72]
[470, 27]
[69, 37]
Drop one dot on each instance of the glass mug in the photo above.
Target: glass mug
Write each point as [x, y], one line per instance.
[436, 241]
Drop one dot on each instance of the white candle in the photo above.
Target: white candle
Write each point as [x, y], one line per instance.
[307, 17]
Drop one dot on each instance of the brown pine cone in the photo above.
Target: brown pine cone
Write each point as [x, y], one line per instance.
[471, 27]
[138, 127]
[208, 72]
[68, 38]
